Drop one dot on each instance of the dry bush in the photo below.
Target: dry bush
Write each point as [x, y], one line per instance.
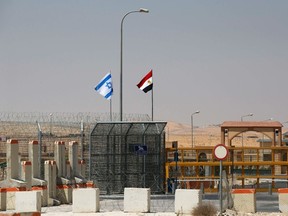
[204, 209]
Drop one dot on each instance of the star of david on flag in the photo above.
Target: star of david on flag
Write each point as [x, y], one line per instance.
[105, 87]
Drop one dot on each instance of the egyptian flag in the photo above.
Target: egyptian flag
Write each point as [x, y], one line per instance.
[146, 83]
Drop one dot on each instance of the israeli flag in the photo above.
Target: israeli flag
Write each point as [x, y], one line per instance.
[105, 87]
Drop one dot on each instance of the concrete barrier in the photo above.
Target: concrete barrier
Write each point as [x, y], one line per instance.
[28, 201]
[26, 173]
[3, 199]
[186, 200]
[137, 199]
[50, 177]
[86, 200]
[21, 214]
[283, 199]
[64, 193]
[44, 194]
[244, 200]
[10, 201]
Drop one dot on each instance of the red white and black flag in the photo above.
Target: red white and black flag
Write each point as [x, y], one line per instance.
[146, 83]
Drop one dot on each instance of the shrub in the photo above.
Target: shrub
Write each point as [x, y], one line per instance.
[204, 209]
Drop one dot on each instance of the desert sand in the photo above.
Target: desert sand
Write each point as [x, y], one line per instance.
[207, 135]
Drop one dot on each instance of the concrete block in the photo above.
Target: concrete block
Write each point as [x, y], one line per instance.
[73, 157]
[186, 200]
[33, 149]
[44, 194]
[50, 177]
[28, 201]
[82, 168]
[137, 199]
[3, 199]
[12, 159]
[86, 200]
[244, 200]
[283, 200]
[20, 214]
[10, 196]
[59, 155]
[26, 173]
[64, 193]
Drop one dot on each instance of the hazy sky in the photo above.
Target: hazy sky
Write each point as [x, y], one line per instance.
[224, 58]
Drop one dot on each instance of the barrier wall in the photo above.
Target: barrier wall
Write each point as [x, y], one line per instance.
[28, 201]
[283, 199]
[60, 175]
[3, 199]
[10, 196]
[137, 199]
[186, 200]
[90, 204]
[244, 200]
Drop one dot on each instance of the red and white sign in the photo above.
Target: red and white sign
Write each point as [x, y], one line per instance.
[220, 151]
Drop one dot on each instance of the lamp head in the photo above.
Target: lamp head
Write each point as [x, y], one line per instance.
[144, 10]
[196, 112]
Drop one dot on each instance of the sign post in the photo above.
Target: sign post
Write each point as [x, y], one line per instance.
[220, 152]
[141, 150]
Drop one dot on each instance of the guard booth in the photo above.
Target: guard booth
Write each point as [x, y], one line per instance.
[127, 154]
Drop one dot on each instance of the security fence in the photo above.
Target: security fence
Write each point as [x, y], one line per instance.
[127, 154]
[47, 128]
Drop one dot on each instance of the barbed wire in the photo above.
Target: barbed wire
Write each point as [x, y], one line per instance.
[66, 117]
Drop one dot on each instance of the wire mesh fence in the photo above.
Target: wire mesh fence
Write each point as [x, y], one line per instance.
[127, 154]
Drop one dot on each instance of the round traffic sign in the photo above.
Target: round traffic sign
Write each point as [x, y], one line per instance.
[220, 151]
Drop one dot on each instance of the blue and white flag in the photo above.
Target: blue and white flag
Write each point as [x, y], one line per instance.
[105, 87]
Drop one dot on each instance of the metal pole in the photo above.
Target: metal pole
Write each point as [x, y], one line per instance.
[220, 188]
[152, 113]
[192, 142]
[51, 115]
[250, 114]
[121, 59]
[192, 131]
[82, 139]
[40, 147]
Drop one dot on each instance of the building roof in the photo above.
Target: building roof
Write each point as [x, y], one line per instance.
[262, 124]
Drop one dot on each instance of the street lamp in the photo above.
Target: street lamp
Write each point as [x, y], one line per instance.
[141, 10]
[263, 136]
[192, 126]
[250, 114]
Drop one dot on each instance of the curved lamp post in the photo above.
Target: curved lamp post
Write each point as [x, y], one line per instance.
[250, 114]
[141, 10]
[192, 126]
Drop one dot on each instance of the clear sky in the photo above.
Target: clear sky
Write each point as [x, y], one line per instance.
[224, 58]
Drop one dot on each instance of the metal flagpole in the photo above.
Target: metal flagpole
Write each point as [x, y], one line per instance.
[111, 102]
[111, 109]
[152, 103]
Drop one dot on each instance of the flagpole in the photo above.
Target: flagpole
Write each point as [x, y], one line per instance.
[110, 106]
[111, 109]
[152, 103]
[146, 84]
